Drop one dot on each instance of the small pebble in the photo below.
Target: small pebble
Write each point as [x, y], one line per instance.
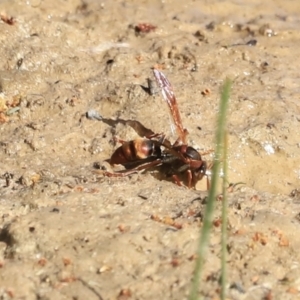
[93, 115]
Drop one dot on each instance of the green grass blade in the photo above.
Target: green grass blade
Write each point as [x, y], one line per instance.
[207, 222]
[224, 219]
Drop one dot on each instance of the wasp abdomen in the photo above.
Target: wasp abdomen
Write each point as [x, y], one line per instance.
[134, 150]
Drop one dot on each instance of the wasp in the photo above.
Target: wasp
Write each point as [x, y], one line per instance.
[154, 150]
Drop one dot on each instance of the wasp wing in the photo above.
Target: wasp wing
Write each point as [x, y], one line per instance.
[169, 97]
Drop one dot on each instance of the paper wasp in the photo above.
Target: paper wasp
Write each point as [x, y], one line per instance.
[155, 150]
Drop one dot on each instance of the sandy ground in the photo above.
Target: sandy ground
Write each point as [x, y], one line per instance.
[67, 232]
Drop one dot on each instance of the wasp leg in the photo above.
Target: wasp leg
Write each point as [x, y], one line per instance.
[117, 140]
[176, 179]
[209, 167]
[189, 178]
[134, 170]
[160, 136]
[207, 152]
[207, 182]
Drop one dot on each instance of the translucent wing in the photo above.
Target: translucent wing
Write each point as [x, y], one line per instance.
[169, 97]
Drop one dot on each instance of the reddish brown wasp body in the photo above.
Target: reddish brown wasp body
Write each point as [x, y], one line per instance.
[155, 150]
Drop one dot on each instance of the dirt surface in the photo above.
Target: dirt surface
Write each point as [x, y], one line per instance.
[67, 232]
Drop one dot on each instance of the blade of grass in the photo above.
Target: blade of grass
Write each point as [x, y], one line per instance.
[208, 215]
[224, 218]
